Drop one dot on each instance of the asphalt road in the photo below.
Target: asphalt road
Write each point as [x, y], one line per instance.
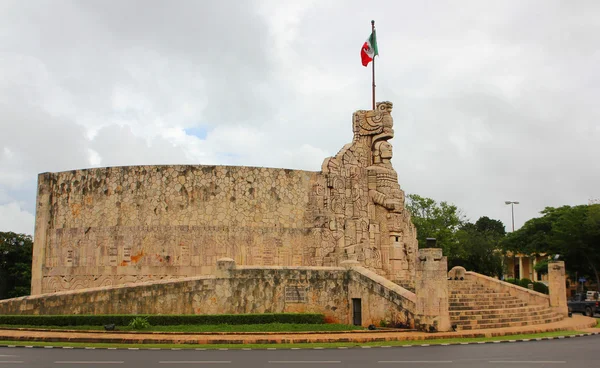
[580, 352]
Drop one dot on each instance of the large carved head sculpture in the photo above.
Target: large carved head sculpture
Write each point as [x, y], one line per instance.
[377, 123]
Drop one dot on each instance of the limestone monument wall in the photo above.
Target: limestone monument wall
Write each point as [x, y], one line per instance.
[111, 226]
[238, 289]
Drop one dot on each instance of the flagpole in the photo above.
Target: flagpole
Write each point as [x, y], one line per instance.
[373, 31]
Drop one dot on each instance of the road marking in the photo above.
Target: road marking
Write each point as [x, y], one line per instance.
[194, 362]
[305, 361]
[89, 362]
[528, 361]
[11, 362]
[3, 355]
[413, 361]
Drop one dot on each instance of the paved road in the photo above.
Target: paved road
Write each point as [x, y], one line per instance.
[574, 352]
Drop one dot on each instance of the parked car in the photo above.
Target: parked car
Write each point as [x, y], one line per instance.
[580, 304]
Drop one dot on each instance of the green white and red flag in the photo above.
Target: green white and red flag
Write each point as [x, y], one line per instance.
[369, 49]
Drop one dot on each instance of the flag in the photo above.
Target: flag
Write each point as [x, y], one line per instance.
[369, 49]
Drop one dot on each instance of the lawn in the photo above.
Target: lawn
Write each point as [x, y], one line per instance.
[267, 327]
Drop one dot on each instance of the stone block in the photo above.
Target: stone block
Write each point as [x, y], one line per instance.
[557, 287]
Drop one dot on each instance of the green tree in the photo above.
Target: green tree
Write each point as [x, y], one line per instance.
[15, 264]
[479, 247]
[573, 232]
[435, 220]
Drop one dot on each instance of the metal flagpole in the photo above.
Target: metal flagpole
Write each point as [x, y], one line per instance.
[372, 33]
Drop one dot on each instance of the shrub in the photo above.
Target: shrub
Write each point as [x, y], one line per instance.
[540, 287]
[511, 281]
[139, 323]
[162, 320]
[524, 282]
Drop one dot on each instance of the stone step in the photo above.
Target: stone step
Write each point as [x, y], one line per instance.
[508, 324]
[491, 302]
[475, 312]
[484, 319]
[473, 306]
[453, 293]
[470, 287]
[480, 298]
[471, 291]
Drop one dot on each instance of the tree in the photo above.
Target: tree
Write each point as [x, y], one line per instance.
[572, 232]
[435, 220]
[479, 247]
[15, 264]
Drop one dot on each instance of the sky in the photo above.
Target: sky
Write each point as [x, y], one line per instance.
[493, 101]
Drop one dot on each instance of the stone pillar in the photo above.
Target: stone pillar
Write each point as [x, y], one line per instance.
[431, 290]
[42, 220]
[224, 267]
[521, 268]
[557, 286]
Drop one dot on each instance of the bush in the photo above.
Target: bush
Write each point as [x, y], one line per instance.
[524, 283]
[540, 287]
[139, 323]
[512, 281]
[162, 320]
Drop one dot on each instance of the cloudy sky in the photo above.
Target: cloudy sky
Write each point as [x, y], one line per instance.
[493, 101]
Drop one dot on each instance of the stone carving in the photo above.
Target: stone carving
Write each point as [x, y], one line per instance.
[365, 205]
[116, 225]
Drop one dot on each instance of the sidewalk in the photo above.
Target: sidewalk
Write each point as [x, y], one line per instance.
[575, 323]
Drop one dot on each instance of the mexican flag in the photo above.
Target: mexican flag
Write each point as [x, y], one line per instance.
[369, 49]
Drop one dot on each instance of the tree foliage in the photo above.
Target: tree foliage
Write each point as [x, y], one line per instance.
[15, 264]
[435, 220]
[573, 232]
[479, 247]
[473, 246]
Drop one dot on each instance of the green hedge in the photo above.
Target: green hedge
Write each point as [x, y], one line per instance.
[540, 287]
[163, 320]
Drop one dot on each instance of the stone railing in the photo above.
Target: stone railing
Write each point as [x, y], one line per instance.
[239, 289]
[528, 296]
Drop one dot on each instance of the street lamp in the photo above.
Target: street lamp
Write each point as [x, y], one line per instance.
[512, 208]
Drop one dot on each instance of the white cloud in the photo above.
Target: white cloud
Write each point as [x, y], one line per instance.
[14, 218]
[493, 101]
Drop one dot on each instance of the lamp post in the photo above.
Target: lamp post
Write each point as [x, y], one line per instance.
[512, 211]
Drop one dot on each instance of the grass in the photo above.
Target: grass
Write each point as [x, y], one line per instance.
[268, 327]
[597, 323]
[288, 346]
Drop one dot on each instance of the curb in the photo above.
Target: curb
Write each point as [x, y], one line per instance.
[214, 333]
[312, 348]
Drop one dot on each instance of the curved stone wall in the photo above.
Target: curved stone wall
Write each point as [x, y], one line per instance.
[109, 226]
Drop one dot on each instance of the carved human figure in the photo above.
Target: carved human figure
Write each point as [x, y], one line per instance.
[363, 200]
[384, 189]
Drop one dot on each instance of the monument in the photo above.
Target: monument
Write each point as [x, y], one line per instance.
[116, 225]
[191, 239]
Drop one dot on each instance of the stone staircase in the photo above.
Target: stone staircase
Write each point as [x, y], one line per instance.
[473, 306]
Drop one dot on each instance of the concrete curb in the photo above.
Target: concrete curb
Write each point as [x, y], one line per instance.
[386, 330]
[312, 348]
